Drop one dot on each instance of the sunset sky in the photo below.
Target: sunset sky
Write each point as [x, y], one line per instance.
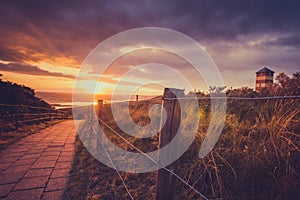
[43, 43]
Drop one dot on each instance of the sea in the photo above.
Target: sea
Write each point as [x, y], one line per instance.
[64, 100]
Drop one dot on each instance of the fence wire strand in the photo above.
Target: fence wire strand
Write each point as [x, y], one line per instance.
[18, 113]
[237, 98]
[28, 106]
[187, 98]
[166, 169]
[110, 160]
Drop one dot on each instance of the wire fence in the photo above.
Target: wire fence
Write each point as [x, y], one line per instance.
[237, 98]
[12, 116]
[147, 156]
[213, 97]
[17, 115]
[247, 99]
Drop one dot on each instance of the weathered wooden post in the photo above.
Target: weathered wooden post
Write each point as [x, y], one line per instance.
[165, 181]
[100, 106]
[50, 117]
[137, 101]
[89, 119]
[55, 115]
[39, 116]
[17, 118]
[66, 114]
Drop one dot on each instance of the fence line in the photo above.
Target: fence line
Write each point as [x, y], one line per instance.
[39, 114]
[140, 151]
[238, 98]
[28, 106]
[212, 97]
[162, 188]
[24, 121]
[17, 113]
[110, 160]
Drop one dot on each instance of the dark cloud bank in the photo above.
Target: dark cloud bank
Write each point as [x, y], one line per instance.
[73, 28]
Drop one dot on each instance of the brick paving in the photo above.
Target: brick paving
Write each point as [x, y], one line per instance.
[38, 166]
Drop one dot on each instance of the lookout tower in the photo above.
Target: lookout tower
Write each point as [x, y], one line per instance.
[264, 78]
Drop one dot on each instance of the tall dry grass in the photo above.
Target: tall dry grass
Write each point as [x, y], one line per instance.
[256, 157]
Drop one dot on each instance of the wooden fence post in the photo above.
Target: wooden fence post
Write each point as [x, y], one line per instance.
[50, 117]
[39, 116]
[100, 106]
[17, 118]
[137, 101]
[99, 109]
[90, 117]
[165, 185]
[66, 115]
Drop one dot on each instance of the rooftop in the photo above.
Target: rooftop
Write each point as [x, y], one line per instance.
[265, 69]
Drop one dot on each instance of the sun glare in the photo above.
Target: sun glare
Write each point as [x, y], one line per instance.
[95, 102]
[95, 87]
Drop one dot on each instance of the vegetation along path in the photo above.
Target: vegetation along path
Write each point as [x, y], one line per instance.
[37, 167]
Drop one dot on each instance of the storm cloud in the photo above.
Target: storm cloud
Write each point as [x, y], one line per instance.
[239, 35]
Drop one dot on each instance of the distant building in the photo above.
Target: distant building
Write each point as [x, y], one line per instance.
[264, 78]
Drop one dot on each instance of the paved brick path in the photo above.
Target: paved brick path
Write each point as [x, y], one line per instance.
[37, 167]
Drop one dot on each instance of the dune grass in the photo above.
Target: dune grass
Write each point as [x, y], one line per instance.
[256, 157]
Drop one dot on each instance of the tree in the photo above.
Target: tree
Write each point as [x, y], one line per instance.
[287, 85]
[241, 92]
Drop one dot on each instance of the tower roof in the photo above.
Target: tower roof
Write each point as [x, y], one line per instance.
[265, 69]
